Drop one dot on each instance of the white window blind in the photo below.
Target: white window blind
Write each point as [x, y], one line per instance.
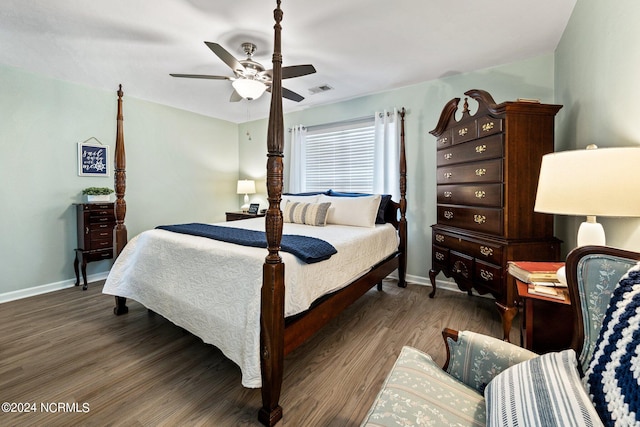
[340, 158]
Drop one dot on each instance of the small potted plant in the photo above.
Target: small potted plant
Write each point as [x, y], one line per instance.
[97, 194]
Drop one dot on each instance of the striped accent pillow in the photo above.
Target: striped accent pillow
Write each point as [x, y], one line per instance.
[544, 391]
[613, 375]
[306, 213]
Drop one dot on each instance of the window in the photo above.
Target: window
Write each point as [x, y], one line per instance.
[340, 158]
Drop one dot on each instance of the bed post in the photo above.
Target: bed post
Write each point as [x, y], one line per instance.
[402, 226]
[272, 299]
[120, 184]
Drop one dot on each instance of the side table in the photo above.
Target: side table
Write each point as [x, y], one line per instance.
[236, 215]
[547, 323]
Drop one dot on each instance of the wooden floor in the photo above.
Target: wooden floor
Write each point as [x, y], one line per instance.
[67, 347]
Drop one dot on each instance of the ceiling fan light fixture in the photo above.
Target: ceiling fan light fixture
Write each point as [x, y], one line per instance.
[249, 89]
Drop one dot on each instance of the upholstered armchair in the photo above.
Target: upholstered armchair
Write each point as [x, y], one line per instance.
[488, 381]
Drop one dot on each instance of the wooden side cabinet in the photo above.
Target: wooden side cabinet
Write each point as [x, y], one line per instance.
[547, 323]
[236, 215]
[95, 236]
[487, 172]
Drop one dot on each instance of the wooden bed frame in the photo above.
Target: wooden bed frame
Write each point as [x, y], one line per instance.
[279, 336]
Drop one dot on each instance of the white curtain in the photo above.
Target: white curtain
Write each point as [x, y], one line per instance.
[297, 168]
[387, 170]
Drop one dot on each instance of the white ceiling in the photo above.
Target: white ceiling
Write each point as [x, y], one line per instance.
[357, 46]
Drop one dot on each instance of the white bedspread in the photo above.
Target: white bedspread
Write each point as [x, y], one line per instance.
[212, 288]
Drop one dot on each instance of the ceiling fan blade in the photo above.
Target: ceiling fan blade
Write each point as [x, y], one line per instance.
[292, 71]
[289, 94]
[226, 57]
[201, 76]
[297, 71]
[235, 96]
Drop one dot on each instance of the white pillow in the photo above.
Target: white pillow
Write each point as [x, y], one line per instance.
[356, 211]
[297, 199]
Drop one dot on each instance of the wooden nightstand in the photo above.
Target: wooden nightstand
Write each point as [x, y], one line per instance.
[547, 323]
[95, 236]
[236, 215]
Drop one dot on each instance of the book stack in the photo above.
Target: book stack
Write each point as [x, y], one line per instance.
[541, 277]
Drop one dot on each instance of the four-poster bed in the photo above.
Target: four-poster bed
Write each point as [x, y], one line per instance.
[279, 334]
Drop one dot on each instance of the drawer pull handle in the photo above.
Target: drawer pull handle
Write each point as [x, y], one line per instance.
[480, 219]
[463, 131]
[86, 230]
[487, 127]
[486, 275]
[448, 214]
[439, 238]
[443, 140]
[481, 148]
[439, 256]
[486, 251]
[448, 194]
[448, 156]
[480, 194]
[481, 172]
[448, 175]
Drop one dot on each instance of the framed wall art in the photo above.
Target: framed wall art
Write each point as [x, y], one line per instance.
[93, 159]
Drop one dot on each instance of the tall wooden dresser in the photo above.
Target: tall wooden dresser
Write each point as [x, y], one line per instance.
[95, 235]
[487, 173]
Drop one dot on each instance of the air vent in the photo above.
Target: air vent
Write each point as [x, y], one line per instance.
[321, 88]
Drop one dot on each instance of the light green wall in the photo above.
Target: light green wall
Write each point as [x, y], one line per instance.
[181, 167]
[424, 102]
[597, 79]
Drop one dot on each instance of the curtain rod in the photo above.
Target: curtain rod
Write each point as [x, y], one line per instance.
[340, 123]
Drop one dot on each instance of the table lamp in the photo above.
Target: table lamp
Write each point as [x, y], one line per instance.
[592, 182]
[246, 187]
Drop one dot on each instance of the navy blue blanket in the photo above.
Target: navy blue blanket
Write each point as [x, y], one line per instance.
[308, 249]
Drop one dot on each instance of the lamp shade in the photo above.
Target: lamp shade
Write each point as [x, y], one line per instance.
[246, 186]
[598, 182]
[248, 88]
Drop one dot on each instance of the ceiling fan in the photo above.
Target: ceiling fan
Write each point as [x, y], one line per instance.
[250, 79]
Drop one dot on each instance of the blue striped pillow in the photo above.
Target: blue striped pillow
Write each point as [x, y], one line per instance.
[544, 391]
[613, 375]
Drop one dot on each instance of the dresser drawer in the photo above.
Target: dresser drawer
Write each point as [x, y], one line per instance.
[461, 266]
[440, 255]
[476, 195]
[480, 149]
[98, 255]
[476, 172]
[465, 132]
[100, 244]
[488, 125]
[487, 251]
[485, 220]
[101, 233]
[489, 275]
[444, 140]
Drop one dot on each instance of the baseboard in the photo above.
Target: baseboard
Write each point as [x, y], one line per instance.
[50, 287]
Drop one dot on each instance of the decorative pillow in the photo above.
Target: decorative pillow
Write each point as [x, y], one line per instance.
[384, 201]
[613, 376]
[306, 213]
[544, 391]
[356, 211]
[296, 198]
